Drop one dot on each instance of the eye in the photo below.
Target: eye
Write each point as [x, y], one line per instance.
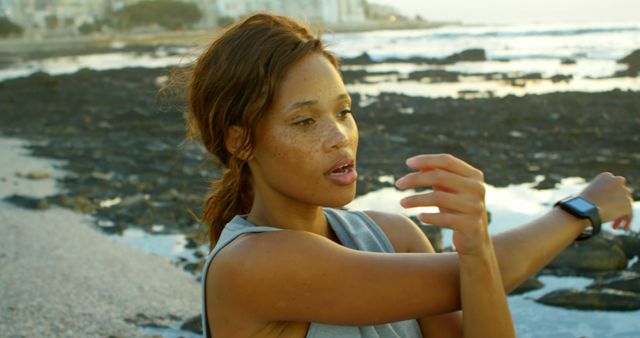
[305, 122]
[344, 113]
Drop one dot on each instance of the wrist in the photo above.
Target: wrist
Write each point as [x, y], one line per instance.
[583, 209]
[569, 221]
[483, 251]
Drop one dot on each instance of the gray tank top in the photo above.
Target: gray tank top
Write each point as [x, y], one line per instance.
[355, 230]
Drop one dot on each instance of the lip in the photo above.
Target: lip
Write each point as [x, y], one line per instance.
[341, 162]
[346, 178]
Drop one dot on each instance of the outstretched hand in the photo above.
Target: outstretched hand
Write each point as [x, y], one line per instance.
[612, 197]
[459, 194]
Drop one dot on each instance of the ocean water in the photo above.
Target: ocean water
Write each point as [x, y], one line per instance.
[593, 51]
[597, 41]
[513, 50]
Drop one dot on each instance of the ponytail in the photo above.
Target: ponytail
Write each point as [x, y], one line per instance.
[229, 196]
[233, 83]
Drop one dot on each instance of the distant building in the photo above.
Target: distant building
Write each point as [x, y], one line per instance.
[382, 12]
[115, 5]
[6, 6]
[324, 11]
[63, 16]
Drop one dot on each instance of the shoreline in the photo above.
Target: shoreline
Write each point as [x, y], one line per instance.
[63, 277]
[188, 38]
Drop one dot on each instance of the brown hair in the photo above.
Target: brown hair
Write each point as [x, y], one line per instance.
[233, 83]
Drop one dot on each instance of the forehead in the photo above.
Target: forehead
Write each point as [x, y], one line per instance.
[313, 78]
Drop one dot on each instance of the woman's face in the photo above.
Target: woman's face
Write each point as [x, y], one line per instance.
[307, 134]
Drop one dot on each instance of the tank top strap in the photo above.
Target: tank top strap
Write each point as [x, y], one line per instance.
[356, 230]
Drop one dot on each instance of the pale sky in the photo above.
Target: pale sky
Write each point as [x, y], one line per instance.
[518, 11]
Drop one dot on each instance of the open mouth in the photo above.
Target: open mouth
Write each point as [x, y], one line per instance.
[342, 170]
[343, 173]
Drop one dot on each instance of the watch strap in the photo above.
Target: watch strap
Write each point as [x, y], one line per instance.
[593, 215]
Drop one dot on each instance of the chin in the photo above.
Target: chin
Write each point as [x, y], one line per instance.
[341, 199]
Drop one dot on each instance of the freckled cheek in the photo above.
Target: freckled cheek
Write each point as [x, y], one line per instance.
[292, 151]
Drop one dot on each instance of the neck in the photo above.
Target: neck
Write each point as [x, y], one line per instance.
[291, 215]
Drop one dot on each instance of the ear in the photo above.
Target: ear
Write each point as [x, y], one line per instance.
[233, 142]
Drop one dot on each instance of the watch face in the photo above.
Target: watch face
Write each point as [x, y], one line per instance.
[580, 204]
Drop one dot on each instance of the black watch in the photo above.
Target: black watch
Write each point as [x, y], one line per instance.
[582, 208]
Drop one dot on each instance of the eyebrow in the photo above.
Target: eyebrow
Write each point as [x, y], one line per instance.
[307, 103]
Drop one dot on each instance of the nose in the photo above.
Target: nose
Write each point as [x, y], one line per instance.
[338, 136]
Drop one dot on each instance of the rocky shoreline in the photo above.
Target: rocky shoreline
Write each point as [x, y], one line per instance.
[124, 143]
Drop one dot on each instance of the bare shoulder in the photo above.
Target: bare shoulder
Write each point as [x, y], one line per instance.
[403, 233]
[243, 279]
[296, 276]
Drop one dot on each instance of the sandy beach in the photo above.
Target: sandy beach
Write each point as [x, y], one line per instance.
[61, 277]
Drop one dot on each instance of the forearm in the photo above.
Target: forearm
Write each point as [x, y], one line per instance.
[485, 312]
[523, 251]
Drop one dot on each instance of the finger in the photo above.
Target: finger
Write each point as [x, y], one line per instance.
[624, 222]
[450, 221]
[441, 180]
[443, 200]
[444, 161]
[616, 223]
[627, 222]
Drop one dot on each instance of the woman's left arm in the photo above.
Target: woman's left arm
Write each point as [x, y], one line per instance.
[526, 249]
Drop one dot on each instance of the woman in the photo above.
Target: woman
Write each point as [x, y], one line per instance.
[268, 101]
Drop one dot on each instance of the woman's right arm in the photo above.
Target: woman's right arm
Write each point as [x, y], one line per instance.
[299, 276]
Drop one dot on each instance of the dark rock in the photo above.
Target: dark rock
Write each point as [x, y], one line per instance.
[635, 267]
[433, 233]
[467, 55]
[529, 284]
[599, 253]
[532, 76]
[362, 59]
[561, 78]
[191, 243]
[353, 76]
[630, 244]
[435, 75]
[28, 202]
[194, 267]
[568, 61]
[602, 300]
[627, 282]
[633, 63]
[193, 324]
[76, 203]
[143, 320]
